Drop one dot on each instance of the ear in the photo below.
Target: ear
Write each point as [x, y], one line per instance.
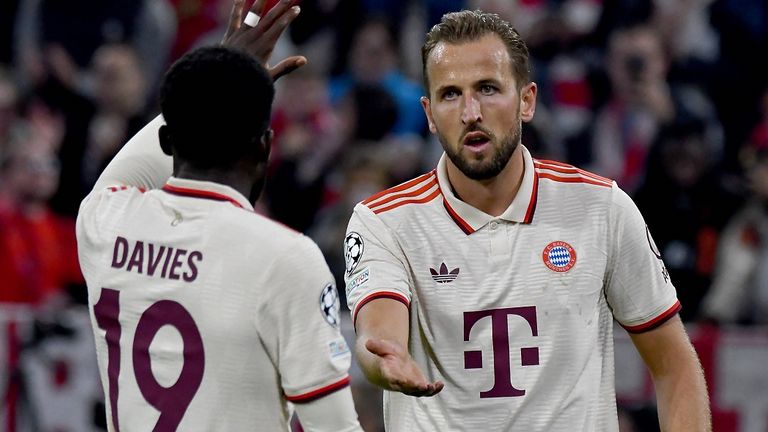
[266, 142]
[528, 101]
[164, 134]
[426, 104]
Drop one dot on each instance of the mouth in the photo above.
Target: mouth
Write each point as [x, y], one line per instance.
[476, 141]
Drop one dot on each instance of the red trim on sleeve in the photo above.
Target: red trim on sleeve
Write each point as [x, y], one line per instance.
[317, 394]
[656, 322]
[381, 294]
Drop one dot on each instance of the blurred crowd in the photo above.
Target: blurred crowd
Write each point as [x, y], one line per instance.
[667, 97]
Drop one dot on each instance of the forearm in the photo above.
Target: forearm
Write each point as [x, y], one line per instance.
[381, 319]
[681, 392]
[682, 399]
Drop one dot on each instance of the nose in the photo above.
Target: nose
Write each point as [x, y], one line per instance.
[471, 112]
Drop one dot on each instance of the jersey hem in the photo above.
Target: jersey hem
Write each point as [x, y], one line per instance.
[317, 394]
[655, 322]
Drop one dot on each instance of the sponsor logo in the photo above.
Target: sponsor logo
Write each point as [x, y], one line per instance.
[329, 305]
[559, 256]
[338, 348]
[358, 281]
[353, 251]
[443, 275]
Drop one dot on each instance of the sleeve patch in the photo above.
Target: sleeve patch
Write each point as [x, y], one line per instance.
[353, 251]
[330, 305]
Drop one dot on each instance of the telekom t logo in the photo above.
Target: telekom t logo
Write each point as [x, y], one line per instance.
[502, 379]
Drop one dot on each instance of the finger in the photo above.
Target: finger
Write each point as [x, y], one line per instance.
[235, 18]
[287, 66]
[273, 32]
[276, 13]
[257, 6]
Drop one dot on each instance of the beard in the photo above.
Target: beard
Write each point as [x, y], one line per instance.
[475, 166]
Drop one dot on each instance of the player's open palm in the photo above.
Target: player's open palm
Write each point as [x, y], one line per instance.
[398, 370]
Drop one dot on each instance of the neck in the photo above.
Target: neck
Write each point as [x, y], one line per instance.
[492, 196]
[236, 179]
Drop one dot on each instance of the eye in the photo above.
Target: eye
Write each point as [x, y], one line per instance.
[450, 94]
[487, 89]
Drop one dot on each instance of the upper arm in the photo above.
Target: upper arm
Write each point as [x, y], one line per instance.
[140, 163]
[375, 265]
[383, 318]
[300, 321]
[638, 287]
[665, 348]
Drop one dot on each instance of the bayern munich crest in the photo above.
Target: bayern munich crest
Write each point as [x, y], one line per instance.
[559, 256]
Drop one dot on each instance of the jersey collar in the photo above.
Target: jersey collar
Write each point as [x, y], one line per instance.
[206, 190]
[470, 219]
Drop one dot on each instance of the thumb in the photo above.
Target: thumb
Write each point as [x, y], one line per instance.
[287, 66]
[380, 347]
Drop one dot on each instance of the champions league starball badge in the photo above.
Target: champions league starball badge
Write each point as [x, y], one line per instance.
[353, 251]
[329, 305]
[559, 256]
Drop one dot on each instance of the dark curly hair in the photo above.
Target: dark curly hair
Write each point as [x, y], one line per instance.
[217, 104]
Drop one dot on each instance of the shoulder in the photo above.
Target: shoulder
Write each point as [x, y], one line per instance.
[565, 174]
[407, 195]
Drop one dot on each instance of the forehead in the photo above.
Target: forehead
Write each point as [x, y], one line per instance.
[454, 64]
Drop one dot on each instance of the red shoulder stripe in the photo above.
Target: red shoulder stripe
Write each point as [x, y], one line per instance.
[427, 198]
[398, 188]
[572, 179]
[569, 169]
[396, 196]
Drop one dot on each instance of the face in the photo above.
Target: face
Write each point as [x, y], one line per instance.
[474, 105]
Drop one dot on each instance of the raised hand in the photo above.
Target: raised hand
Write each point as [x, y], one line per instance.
[398, 370]
[260, 40]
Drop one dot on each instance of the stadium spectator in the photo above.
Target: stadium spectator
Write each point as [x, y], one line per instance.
[373, 59]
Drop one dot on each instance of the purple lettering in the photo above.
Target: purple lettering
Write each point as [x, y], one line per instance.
[192, 274]
[176, 264]
[137, 258]
[121, 251]
[167, 260]
[154, 261]
[502, 379]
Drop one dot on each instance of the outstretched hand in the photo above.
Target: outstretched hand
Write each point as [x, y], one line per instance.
[260, 40]
[398, 370]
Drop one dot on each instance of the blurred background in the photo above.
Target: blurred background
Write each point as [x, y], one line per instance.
[667, 97]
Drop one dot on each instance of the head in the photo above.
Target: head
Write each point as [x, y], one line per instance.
[30, 172]
[217, 105]
[374, 52]
[121, 86]
[477, 75]
[636, 57]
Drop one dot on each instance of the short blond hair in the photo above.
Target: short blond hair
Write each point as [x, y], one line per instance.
[471, 25]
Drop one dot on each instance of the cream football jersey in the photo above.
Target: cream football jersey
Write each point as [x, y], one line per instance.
[206, 315]
[514, 313]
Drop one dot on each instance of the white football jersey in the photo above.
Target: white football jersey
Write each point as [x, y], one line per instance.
[206, 315]
[514, 313]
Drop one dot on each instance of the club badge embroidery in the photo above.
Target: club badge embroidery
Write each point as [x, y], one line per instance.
[559, 256]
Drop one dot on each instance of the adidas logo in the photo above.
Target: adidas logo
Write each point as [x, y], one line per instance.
[443, 276]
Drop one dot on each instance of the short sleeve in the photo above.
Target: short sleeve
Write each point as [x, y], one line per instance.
[639, 290]
[375, 264]
[301, 321]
